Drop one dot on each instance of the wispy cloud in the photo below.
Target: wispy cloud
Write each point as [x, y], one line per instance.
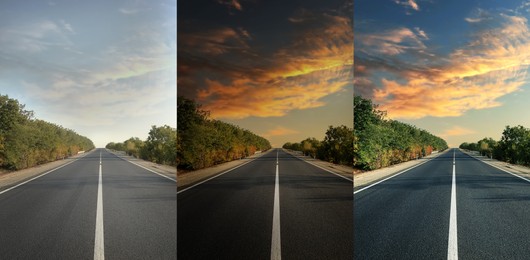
[233, 81]
[409, 4]
[232, 4]
[395, 41]
[36, 36]
[128, 10]
[491, 65]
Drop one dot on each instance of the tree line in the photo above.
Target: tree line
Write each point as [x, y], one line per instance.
[159, 147]
[26, 142]
[381, 142]
[203, 142]
[337, 146]
[513, 146]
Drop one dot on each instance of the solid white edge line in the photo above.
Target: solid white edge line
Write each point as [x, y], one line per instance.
[494, 166]
[99, 244]
[318, 166]
[276, 247]
[34, 178]
[199, 183]
[141, 166]
[167, 177]
[373, 184]
[452, 248]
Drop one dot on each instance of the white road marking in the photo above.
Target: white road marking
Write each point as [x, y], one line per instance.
[276, 246]
[99, 245]
[452, 249]
[22, 183]
[373, 184]
[495, 166]
[199, 183]
[318, 166]
[141, 166]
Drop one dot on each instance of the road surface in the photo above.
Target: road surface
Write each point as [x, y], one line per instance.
[423, 214]
[248, 213]
[69, 214]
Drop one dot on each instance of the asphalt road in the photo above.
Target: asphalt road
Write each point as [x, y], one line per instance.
[54, 216]
[409, 216]
[233, 216]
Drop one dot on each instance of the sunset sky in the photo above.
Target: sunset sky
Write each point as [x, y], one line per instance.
[282, 69]
[455, 68]
[105, 69]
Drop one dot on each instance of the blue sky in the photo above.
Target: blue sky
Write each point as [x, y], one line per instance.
[105, 69]
[455, 68]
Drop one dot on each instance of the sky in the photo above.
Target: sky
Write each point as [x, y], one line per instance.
[281, 69]
[105, 69]
[458, 69]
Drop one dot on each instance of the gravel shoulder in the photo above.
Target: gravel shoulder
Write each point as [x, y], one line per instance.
[10, 179]
[520, 170]
[366, 178]
[343, 170]
[193, 177]
[166, 170]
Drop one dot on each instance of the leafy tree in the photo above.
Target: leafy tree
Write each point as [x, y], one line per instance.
[26, 142]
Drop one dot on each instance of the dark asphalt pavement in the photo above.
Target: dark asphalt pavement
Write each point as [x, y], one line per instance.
[407, 217]
[231, 216]
[54, 216]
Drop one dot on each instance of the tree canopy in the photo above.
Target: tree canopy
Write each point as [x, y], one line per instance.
[26, 141]
[160, 146]
[512, 148]
[337, 146]
[203, 142]
[381, 142]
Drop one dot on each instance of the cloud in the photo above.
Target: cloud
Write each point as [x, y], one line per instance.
[35, 37]
[232, 4]
[128, 10]
[224, 72]
[491, 65]
[395, 41]
[279, 131]
[457, 131]
[409, 4]
[216, 41]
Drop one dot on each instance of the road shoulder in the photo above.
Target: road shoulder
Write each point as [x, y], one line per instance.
[342, 170]
[10, 179]
[368, 177]
[519, 170]
[193, 177]
[166, 170]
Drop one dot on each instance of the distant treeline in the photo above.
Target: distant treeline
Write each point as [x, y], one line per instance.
[26, 141]
[337, 146]
[160, 146]
[203, 142]
[381, 142]
[513, 147]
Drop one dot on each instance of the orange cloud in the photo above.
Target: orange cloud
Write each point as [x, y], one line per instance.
[279, 131]
[492, 65]
[241, 99]
[316, 64]
[457, 131]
